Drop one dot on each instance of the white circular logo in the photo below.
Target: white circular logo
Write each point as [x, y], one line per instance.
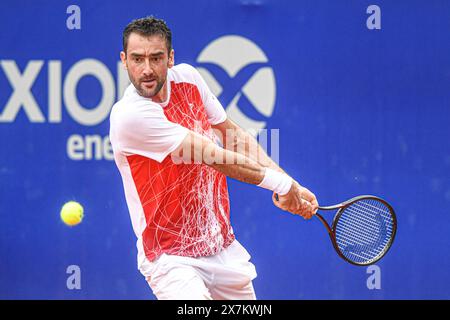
[237, 72]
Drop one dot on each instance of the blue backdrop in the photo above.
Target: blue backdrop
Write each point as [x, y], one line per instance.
[360, 111]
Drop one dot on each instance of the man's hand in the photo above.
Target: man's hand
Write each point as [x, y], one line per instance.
[298, 200]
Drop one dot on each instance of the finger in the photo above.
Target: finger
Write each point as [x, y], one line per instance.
[283, 203]
[297, 212]
[311, 198]
[308, 195]
[314, 202]
[315, 205]
[296, 207]
[308, 210]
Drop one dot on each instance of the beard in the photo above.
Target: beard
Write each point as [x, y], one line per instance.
[148, 87]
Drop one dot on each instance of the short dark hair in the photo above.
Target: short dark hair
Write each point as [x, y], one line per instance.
[148, 26]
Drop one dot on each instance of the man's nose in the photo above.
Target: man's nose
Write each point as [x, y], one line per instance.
[147, 68]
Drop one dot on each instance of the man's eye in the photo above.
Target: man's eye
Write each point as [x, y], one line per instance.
[138, 60]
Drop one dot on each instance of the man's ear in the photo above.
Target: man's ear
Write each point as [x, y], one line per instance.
[171, 61]
[123, 58]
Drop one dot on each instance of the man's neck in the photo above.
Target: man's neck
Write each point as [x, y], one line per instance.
[162, 95]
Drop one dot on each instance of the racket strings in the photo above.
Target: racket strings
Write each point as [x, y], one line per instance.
[372, 234]
[365, 222]
[375, 232]
[364, 230]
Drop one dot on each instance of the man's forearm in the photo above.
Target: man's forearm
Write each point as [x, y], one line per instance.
[198, 149]
[244, 143]
[248, 170]
[241, 168]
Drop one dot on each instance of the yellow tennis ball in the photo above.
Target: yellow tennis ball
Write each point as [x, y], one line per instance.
[72, 213]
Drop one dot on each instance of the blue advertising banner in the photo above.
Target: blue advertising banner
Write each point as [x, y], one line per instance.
[354, 96]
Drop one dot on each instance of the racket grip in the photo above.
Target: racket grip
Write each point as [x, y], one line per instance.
[276, 196]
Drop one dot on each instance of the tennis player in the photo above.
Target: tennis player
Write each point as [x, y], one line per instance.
[164, 135]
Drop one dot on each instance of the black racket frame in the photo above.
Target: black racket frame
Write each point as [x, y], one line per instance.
[341, 208]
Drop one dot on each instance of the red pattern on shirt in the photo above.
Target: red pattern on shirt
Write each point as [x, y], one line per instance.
[186, 206]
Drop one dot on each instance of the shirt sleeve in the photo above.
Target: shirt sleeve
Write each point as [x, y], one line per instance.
[214, 109]
[146, 131]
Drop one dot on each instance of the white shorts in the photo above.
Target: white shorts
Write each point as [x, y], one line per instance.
[225, 276]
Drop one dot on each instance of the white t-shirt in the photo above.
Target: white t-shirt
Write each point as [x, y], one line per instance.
[167, 203]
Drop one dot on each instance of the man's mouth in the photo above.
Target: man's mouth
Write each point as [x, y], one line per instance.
[149, 82]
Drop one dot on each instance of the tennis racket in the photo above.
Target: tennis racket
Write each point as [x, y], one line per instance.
[363, 229]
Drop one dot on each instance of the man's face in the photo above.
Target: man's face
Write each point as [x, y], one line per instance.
[147, 62]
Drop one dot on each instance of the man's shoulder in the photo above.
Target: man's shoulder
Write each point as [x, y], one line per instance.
[131, 104]
[183, 68]
[184, 72]
[129, 96]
